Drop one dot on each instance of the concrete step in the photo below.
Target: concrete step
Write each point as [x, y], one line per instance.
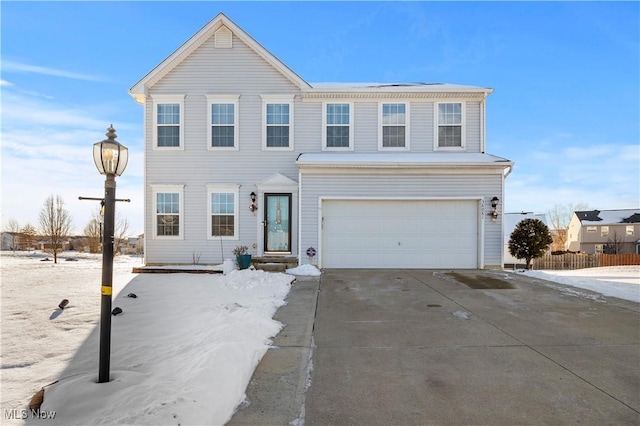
[274, 263]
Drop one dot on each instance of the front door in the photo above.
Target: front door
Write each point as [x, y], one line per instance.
[277, 223]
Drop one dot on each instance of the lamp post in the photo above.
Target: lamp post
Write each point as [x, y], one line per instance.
[111, 160]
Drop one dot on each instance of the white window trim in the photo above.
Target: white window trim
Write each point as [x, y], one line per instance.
[277, 99]
[407, 133]
[463, 130]
[629, 228]
[324, 127]
[156, 189]
[167, 99]
[217, 188]
[604, 231]
[224, 99]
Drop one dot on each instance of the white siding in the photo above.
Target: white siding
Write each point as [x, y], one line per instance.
[396, 186]
[218, 71]
[240, 71]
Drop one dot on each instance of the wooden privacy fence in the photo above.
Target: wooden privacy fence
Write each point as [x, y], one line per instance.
[581, 261]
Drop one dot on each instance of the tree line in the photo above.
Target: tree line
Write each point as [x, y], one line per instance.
[55, 224]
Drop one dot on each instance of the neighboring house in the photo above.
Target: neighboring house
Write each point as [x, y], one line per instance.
[511, 220]
[343, 175]
[9, 240]
[606, 231]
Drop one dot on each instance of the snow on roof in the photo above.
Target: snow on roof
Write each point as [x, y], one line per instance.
[429, 87]
[608, 217]
[391, 159]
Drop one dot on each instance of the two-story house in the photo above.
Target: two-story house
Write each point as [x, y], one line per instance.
[240, 150]
[606, 231]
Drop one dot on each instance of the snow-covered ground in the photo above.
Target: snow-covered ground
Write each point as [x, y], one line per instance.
[622, 282]
[182, 351]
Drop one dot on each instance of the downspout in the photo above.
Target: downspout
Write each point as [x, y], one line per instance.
[299, 215]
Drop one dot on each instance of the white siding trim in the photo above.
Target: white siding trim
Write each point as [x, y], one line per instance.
[463, 130]
[167, 99]
[217, 188]
[277, 99]
[407, 132]
[155, 189]
[324, 126]
[224, 99]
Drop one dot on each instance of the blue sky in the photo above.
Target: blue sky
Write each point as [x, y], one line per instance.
[565, 107]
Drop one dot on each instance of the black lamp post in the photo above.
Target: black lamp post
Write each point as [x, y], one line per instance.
[111, 159]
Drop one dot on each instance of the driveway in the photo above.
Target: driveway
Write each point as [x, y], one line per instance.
[414, 347]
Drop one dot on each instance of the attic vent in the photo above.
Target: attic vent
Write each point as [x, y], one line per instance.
[223, 38]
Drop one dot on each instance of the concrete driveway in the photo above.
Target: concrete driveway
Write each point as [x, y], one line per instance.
[414, 347]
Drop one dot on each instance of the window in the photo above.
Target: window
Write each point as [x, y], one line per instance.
[337, 128]
[278, 119]
[223, 121]
[394, 126]
[168, 118]
[629, 229]
[592, 229]
[167, 220]
[223, 211]
[450, 121]
[604, 231]
[599, 248]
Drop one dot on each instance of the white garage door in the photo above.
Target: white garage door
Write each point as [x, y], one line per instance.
[399, 234]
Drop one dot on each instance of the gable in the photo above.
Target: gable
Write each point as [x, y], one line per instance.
[220, 32]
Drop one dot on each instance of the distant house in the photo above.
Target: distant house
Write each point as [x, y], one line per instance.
[241, 151]
[511, 220]
[606, 231]
[9, 240]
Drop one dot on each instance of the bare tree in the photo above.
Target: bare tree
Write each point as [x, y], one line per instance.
[121, 231]
[55, 223]
[13, 229]
[29, 234]
[559, 217]
[93, 232]
[615, 244]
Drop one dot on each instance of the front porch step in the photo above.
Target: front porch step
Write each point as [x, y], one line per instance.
[274, 263]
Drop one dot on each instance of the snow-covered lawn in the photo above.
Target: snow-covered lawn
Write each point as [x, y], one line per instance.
[182, 351]
[622, 282]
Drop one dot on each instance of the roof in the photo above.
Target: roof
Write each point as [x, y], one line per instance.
[430, 87]
[400, 159]
[315, 90]
[608, 217]
[138, 91]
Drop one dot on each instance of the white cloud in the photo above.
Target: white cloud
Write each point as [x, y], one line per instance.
[18, 67]
[47, 149]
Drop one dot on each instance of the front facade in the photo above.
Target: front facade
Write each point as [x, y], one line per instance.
[239, 150]
[606, 231]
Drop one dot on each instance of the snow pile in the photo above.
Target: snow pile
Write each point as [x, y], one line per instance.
[622, 282]
[182, 351]
[307, 269]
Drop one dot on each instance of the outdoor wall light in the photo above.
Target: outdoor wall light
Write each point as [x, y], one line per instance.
[494, 208]
[253, 206]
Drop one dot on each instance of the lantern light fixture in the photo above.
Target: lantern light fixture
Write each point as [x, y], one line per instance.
[109, 155]
[253, 206]
[494, 208]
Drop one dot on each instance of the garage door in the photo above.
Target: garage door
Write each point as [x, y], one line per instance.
[399, 234]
